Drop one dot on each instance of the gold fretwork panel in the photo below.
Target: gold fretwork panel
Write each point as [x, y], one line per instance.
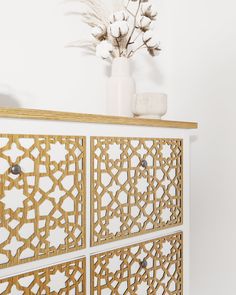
[136, 186]
[43, 207]
[66, 278]
[152, 267]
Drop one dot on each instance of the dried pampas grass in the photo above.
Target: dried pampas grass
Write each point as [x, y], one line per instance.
[99, 11]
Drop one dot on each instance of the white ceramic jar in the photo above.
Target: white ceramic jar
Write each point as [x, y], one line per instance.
[150, 105]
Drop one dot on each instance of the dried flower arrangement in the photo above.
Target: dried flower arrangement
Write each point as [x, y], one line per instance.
[119, 29]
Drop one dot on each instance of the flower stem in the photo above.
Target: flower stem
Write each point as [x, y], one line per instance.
[118, 45]
[135, 17]
[132, 52]
[127, 9]
[131, 42]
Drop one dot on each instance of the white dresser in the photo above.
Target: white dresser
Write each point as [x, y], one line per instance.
[93, 204]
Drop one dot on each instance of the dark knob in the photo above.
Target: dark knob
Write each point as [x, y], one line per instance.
[16, 169]
[144, 163]
[143, 263]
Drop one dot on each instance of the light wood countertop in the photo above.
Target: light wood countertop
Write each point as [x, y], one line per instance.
[91, 118]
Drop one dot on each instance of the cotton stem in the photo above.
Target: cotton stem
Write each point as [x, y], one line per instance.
[134, 28]
[132, 52]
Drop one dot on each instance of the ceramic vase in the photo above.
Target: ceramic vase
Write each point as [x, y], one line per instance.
[120, 88]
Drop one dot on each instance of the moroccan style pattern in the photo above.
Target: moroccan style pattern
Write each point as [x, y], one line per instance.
[153, 267]
[43, 207]
[136, 186]
[67, 278]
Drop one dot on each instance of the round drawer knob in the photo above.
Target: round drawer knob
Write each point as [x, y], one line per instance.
[16, 169]
[144, 163]
[143, 263]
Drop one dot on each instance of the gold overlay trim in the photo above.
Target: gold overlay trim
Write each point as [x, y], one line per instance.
[123, 268]
[44, 281]
[127, 199]
[49, 194]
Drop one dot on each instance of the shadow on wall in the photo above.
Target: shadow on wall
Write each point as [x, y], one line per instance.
[8, 101]
[155, 74]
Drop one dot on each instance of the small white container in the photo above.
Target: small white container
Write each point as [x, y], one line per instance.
[150, 105]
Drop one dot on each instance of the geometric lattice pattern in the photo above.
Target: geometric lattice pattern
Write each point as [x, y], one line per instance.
[43, 207]
[67, 278]
[153, 267]
[136, 186]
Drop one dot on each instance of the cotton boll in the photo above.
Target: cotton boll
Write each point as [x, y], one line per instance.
[144, 23]
[99, 32]
[154, 51]
[149, 40]
[147, 36]
[151, 43]
[148, 11]
[119, 29]
[104, 49]
[119, 16]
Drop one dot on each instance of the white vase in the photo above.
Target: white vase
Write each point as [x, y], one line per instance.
[120, 88]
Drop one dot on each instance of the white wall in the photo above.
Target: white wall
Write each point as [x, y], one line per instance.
[39, 72]
[197, 69]
[203, 87]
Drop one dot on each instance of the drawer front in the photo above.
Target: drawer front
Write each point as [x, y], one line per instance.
[42, 197]
[66, 278]
[153, 267]
[136, 186]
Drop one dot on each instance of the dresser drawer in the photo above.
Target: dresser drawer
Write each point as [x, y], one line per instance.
[136, 186]
[42, 197]
[152, 267]
[66, 278]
